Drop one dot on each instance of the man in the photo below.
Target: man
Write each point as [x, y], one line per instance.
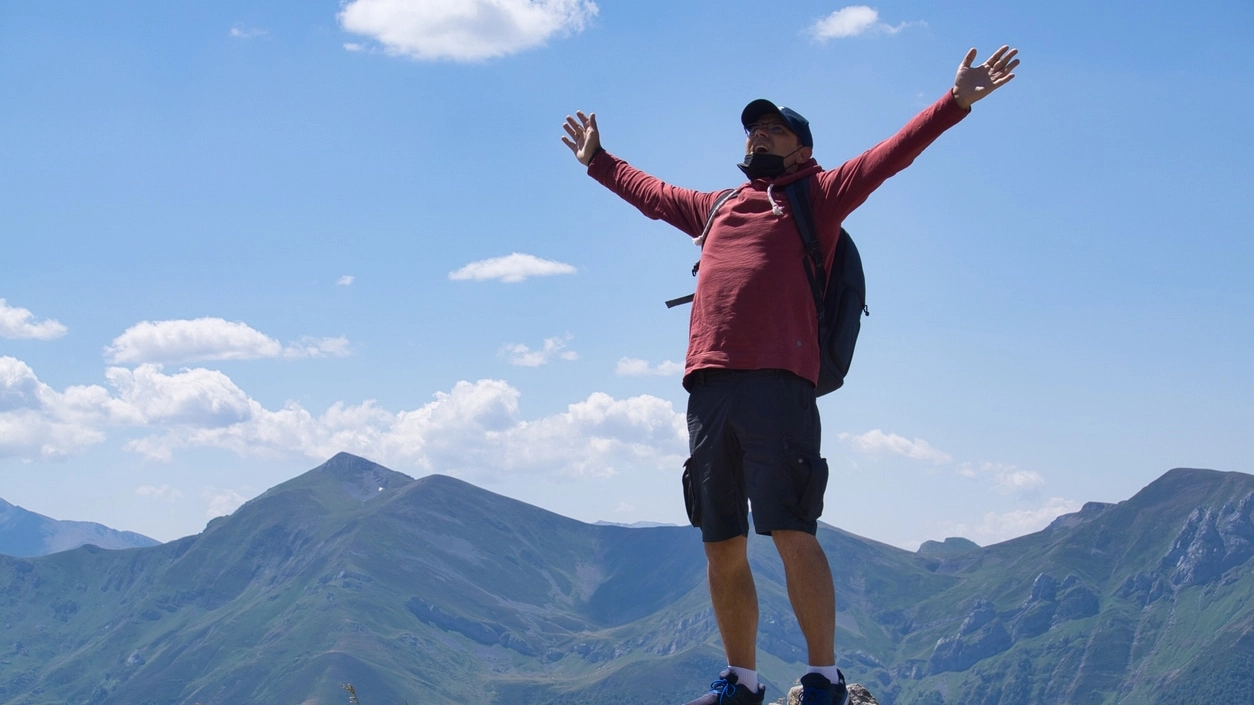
[753, 359]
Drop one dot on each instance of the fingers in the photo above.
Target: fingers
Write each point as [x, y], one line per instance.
[581, 134]
[1003, 59]
[966, 60]
[585, 123]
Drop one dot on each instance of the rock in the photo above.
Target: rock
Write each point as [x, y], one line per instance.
[1077, 602]
[1198, 551]
[1143, 588]
[983, 613]
[960, 652]
[1044, 588]
[1034, 620]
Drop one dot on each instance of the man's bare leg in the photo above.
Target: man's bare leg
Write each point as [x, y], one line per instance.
[735, 599]
[811, 592]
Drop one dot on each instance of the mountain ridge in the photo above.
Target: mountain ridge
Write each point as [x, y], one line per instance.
[438, 591]
[24, 534]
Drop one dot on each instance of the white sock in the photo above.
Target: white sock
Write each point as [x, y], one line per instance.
[828, 672]
[745, 677]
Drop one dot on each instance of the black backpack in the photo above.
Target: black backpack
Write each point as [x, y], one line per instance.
[840, 300]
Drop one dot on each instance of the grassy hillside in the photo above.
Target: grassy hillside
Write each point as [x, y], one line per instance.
[435, 591]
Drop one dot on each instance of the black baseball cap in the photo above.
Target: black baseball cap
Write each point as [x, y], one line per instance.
[799, 125]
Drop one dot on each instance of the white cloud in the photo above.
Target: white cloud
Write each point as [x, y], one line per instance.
[996, 527]
[554, 349]
[876, 442]
[634, 367]
[511, 269]
[38, 422]
[318, 347]
[240, 31]
[463, 30]
[852, 21]
[221, 502]
[346, 280]
[475, 431]
[199, 339]
[211, 339]
[196, 397]
[1006, 479]
[19, 323]
[164, 493]
[1014, 480]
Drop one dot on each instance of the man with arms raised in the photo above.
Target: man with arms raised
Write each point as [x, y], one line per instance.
[753, 359]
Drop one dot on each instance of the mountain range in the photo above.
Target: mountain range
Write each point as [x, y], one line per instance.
[24, 534]
[435, 591]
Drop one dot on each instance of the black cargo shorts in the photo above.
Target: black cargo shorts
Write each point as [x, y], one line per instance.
[753, 436]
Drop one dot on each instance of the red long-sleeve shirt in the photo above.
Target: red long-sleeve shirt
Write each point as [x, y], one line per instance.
[753, 307]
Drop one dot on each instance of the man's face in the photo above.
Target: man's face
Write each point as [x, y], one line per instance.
[769, 134]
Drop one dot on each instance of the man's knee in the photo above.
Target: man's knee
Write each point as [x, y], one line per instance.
[729, 553]
[796, 545]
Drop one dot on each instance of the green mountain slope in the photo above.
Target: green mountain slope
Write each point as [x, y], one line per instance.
[435, 591]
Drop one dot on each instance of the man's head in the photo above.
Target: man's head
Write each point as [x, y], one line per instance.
[770, 129]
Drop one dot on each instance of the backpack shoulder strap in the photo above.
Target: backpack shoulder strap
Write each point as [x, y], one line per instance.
[803, 215]
[699, 241]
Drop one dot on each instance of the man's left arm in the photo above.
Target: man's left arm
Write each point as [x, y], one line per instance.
[848, 186]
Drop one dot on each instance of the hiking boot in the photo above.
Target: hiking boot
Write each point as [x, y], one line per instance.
[817, 690]
[726, 691]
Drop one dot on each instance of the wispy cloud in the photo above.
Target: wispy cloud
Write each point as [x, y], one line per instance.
[876, 442]
[553, 349]
[995, 527]
[239, 31]
[634, 367]
[346, 280]
[221, 502]
[510, 269]
[164, 493]
[1005, 479]
[1015, 481]
[211, 339]
[19, 323]
[853, 21]
[462, 30]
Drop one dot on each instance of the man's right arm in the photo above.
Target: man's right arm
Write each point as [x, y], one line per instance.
[683, 208]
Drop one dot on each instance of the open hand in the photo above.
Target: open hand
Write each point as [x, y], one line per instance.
[582, 136]
[975, 82]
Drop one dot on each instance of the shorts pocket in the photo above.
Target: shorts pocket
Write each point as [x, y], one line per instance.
[808, 473]
[692, 495]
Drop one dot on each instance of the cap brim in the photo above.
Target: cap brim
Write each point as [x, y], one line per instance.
[757, 109]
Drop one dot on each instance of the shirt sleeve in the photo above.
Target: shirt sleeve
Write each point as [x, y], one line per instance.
[847, 187]
[685, 209]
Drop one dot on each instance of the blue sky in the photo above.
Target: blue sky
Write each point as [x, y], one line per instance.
[240, 237]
